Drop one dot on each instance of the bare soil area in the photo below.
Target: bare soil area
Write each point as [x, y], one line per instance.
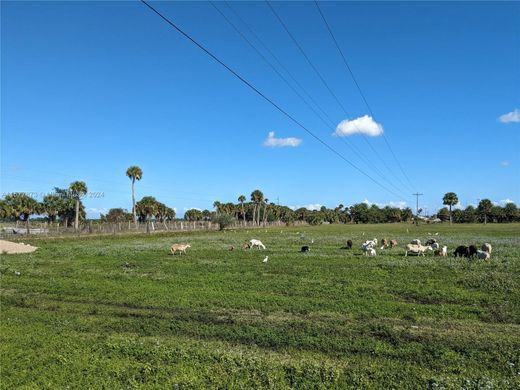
[14, 247]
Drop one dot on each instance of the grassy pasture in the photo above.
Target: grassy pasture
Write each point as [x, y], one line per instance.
[121, 312]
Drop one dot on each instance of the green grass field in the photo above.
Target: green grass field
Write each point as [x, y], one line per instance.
[121, 312]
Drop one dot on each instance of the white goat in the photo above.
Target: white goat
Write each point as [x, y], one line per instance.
[483, 255]
[441, 251]
[370, 252]
[181, 248]
[416, 249]
[256, 244]
[369, 243]
[487, 248]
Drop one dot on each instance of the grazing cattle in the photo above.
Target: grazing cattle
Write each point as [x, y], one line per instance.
[305, 248]
[483, 255]
[256, 244]
[349, 244]
[431, 241]
[415, 249]
[415, 242]
[393, 243]
[181, 248]
[245, 245]
[384, 243]
[487, 248]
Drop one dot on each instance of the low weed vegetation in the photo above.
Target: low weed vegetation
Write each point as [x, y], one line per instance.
[122, 312]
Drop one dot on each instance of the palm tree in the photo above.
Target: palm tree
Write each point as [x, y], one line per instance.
[134, 173]
[78, 189]
[485, 207]
[217, 205]
[256, 197]
[6, 211]
[266, 202]
[51, 205]
[242, 199]
[22, 205]
[450, 199]
[147, 207]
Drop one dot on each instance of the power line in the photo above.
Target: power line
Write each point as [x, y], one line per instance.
[278, 17]
[359, 89]
[266, 60]
[306, 57]
[261, 94]
[351, 146]
[309, 96]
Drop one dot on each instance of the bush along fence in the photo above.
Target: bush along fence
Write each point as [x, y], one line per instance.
[14, 229]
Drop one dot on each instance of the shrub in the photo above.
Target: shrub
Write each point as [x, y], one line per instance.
[223, 220]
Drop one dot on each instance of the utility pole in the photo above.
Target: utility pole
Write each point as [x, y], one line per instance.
[417, 208]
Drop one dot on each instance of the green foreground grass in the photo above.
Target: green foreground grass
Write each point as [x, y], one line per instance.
[121, 312]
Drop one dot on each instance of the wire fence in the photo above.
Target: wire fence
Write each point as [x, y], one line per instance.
[44, 229]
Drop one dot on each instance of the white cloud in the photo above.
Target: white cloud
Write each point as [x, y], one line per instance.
[188, 208]
[513, 116]
[94, 212]
[273, 142]
[362, 125]
[503, 202]
[312, 206]
[400, 204]
[505, 163]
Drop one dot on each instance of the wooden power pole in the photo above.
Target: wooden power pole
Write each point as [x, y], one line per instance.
[417, 194]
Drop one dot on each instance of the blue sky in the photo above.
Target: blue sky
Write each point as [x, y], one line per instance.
[90, 88]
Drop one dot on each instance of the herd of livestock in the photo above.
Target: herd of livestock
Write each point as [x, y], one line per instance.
[415, 248]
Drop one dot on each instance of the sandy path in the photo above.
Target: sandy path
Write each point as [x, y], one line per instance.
[13, 247]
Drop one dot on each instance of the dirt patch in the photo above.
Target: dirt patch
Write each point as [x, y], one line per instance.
[14, 247]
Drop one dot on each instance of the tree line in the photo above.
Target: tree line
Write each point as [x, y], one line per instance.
[485, 212]
[259, 210]
[65, 205]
